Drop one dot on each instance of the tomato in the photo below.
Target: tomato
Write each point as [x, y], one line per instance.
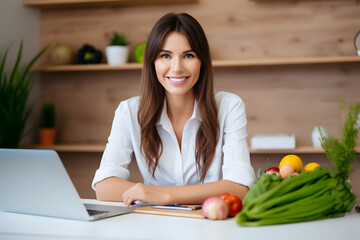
[225, 195]
[273, 169]
[234, 203]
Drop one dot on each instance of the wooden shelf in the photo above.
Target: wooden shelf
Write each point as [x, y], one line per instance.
[72, 147]
[287, 61]
[52, 4]
[87, 67]
[298, 150]
[216, 64]
[100, 148]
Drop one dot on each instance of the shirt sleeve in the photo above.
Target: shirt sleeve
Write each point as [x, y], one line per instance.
[236, 162]
[119, 150]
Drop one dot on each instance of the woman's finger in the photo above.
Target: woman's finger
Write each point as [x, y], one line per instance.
[128, 201]
[126, 197]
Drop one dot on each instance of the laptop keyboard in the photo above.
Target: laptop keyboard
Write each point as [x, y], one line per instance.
[95, 212]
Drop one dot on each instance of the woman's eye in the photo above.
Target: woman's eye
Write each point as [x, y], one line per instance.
[165, 56]
[189, 56]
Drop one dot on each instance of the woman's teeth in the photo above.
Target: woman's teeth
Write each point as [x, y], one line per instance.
[177, 79]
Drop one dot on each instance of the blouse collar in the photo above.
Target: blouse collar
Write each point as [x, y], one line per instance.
[164, 118]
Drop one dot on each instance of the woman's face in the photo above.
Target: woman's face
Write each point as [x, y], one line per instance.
[177, 66]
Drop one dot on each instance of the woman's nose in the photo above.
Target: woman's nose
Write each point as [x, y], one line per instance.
[177, 65]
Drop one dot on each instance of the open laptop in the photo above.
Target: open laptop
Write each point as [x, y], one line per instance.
[36, 182]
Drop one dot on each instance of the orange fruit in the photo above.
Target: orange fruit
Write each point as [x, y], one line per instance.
[292, 160]
[310, 166]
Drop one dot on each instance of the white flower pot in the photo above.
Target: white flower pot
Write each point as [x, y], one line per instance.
[315, 136]
[358, 117]
[117, 55]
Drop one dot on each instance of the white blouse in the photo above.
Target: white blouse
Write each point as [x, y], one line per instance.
[177, 168]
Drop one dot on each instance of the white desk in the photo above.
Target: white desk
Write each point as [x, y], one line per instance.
[144, 226]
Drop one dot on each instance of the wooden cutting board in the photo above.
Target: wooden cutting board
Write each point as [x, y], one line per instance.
[170, 212]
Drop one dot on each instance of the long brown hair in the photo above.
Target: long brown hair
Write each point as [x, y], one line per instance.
[153, 93]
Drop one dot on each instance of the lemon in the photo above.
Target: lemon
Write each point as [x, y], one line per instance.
[310, 166]
[292, 160]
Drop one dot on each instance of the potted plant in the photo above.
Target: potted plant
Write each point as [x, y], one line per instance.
[118, 51]
[14, 92]
[47, 131]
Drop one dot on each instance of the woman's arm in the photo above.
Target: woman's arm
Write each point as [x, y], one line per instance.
[112, 189]
[191, 194]
[116, 189]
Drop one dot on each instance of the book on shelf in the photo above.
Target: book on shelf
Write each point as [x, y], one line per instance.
[273, 141]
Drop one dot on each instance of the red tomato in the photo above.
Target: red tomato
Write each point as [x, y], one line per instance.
[273, 169]
[225, 195]
[234, 203]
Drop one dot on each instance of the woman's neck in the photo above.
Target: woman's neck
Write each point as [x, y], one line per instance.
[179, 110]
[180, 107]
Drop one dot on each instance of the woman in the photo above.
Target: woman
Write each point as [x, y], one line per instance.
[188, 143]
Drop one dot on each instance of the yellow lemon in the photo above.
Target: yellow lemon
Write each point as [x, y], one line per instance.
[292, 160]
[310, 166]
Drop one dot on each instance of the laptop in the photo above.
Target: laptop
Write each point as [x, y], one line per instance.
[36, 182]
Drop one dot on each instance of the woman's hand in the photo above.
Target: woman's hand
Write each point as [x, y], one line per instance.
[151, 194]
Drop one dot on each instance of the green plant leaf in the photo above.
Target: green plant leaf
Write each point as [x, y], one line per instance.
[14, 93]
[17, 62]
[118, 39]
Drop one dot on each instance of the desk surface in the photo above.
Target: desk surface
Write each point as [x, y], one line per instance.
[144, 226]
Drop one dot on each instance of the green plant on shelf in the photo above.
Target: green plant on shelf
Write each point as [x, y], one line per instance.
[14, 92]
[118, 40]
[48, 116]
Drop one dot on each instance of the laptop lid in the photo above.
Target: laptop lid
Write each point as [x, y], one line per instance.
[36, 182]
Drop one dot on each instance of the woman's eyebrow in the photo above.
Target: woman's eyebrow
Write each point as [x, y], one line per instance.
[167, 51]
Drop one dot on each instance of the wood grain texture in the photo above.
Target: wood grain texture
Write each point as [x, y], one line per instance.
[81, 168]
[235, 29]
[58, 4]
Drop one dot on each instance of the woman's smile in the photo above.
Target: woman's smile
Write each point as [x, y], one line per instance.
[177, 80]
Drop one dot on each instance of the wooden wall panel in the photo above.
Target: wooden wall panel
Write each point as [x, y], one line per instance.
[292, 99]
[85, 103]
[81, 168]
[235, 29]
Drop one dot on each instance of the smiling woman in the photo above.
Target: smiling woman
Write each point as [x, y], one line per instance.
[189, 144]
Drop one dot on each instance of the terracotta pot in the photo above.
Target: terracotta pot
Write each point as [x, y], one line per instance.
[47, 136]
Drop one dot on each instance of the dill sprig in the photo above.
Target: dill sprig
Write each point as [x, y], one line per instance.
[342, 152]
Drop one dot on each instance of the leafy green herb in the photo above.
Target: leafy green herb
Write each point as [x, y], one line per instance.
[342, 152]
